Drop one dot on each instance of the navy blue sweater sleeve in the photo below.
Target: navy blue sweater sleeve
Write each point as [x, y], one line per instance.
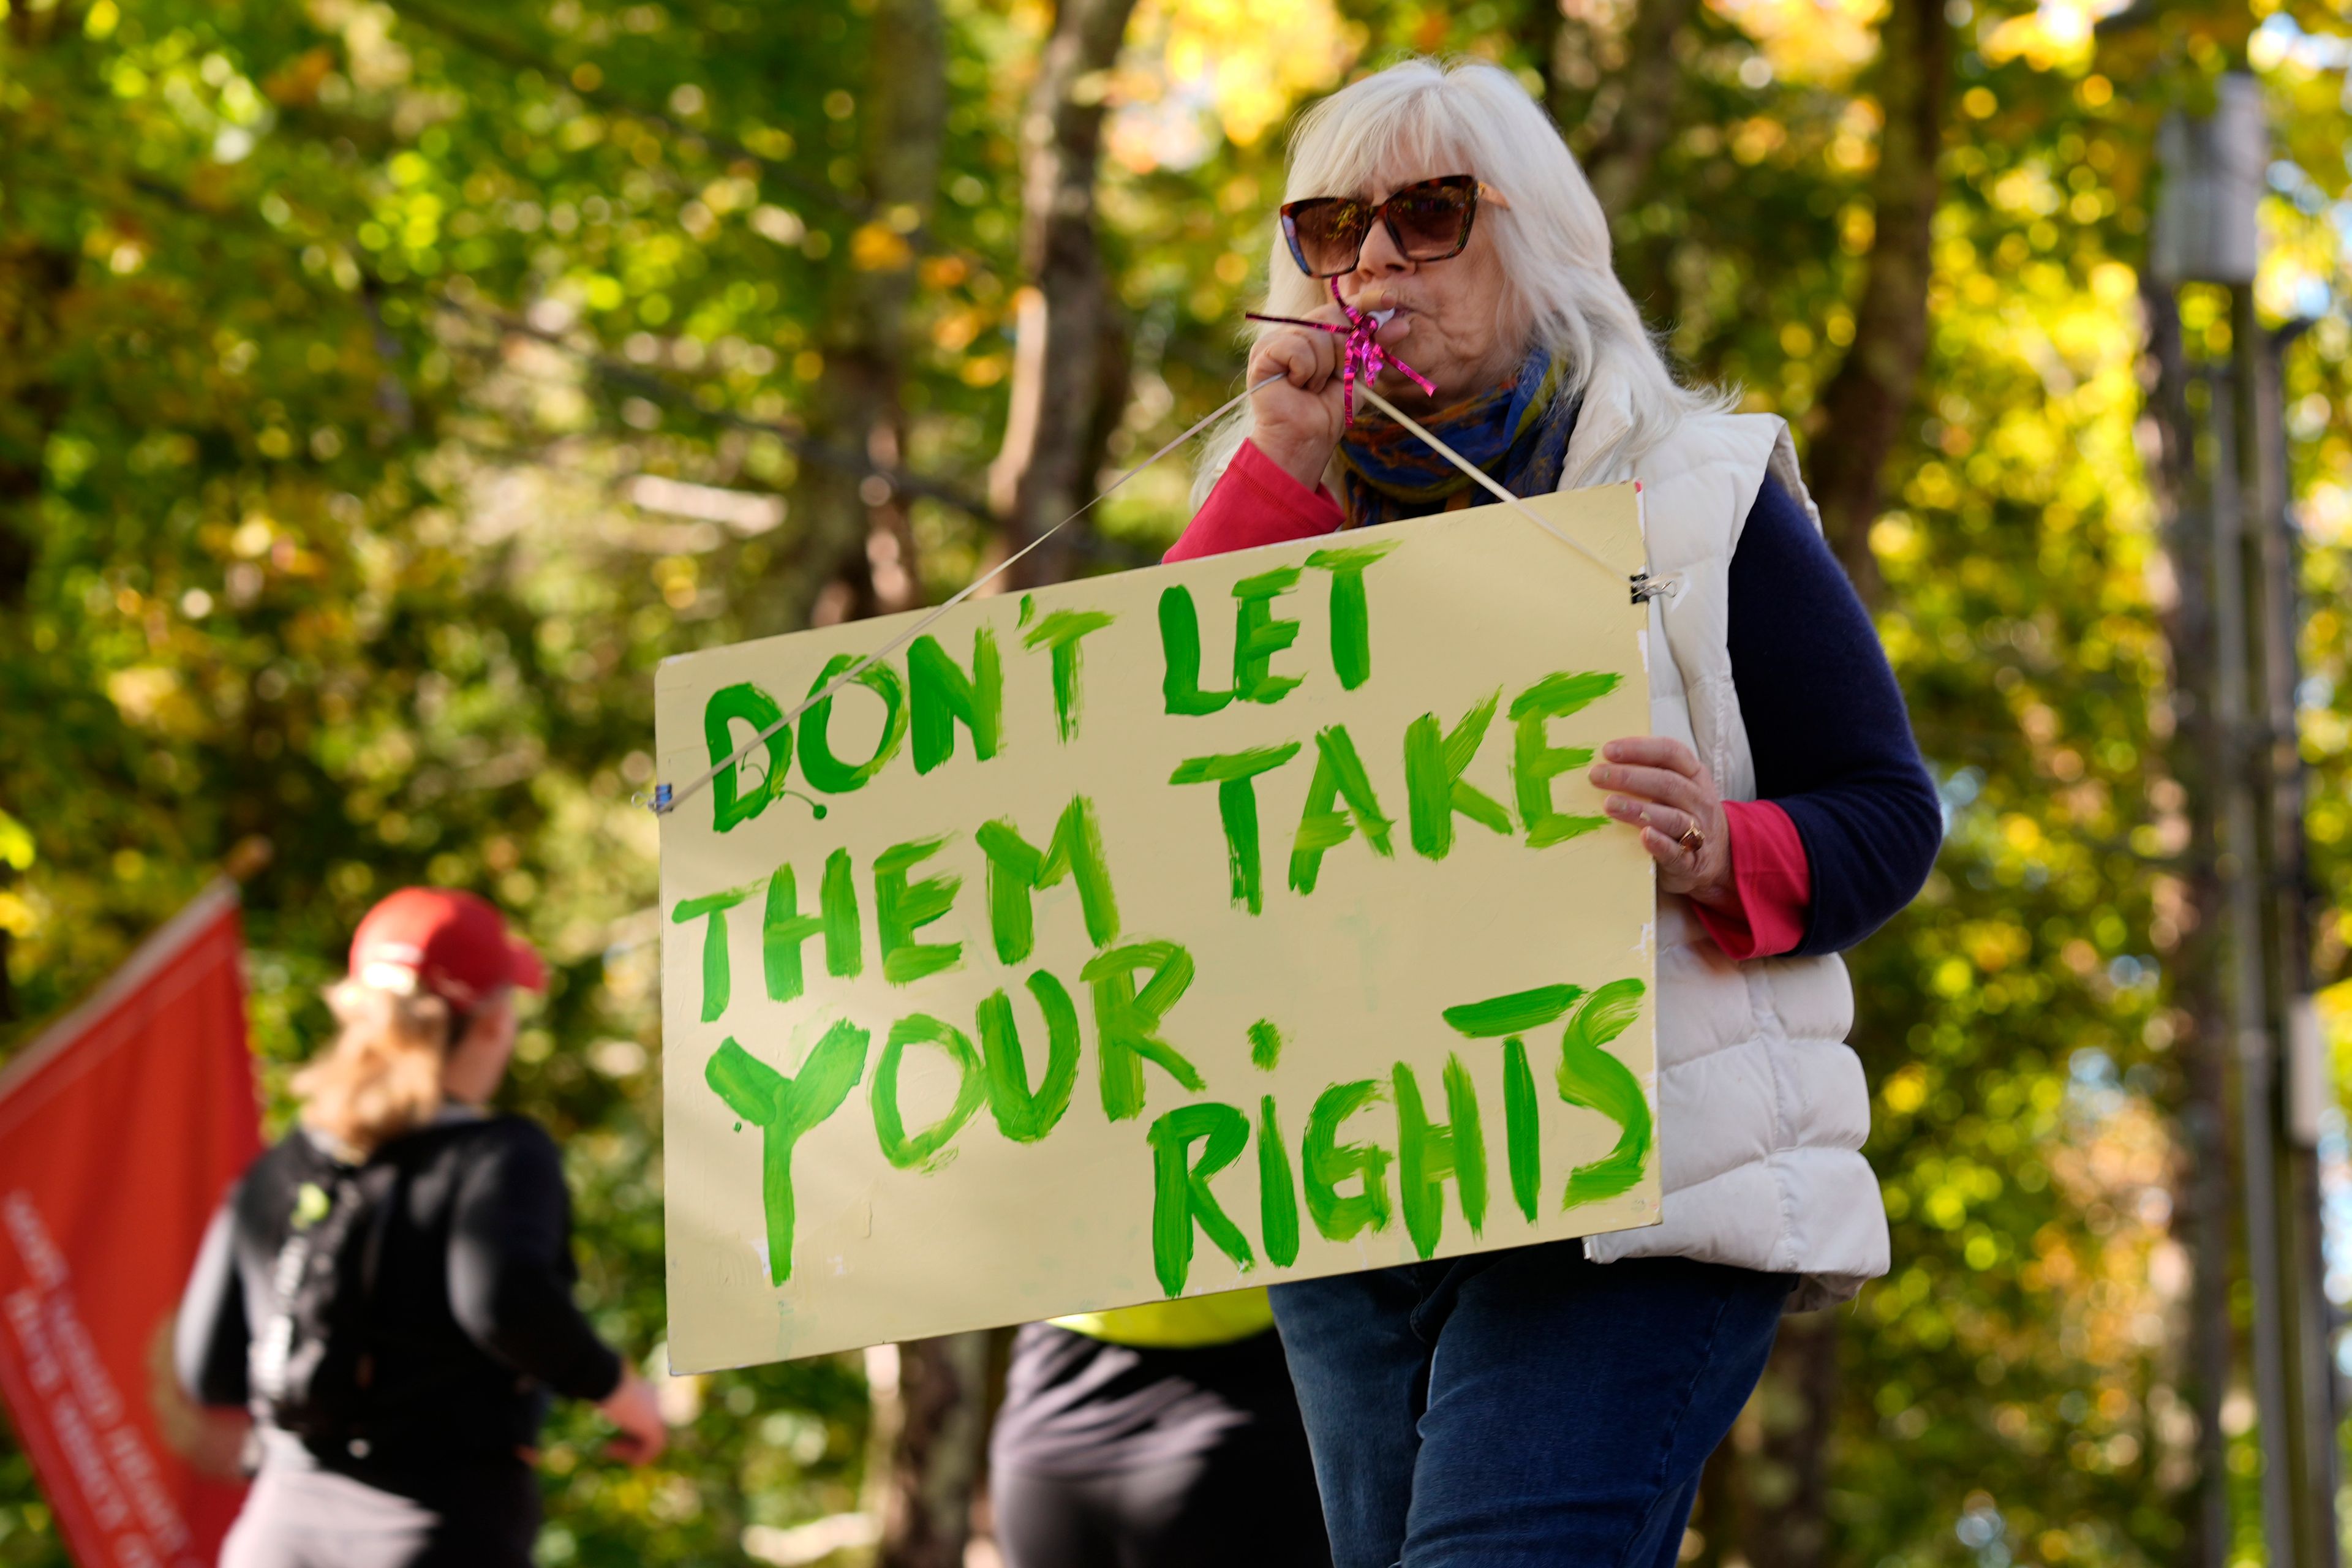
[1826, 725]
[510, 1270]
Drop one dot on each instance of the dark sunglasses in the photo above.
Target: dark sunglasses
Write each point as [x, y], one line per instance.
[1429, 221]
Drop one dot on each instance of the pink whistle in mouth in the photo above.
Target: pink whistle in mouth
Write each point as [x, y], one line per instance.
[1362, 355]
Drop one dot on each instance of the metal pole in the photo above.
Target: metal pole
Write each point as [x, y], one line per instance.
[2275, 608]
[2207, 1206]
[2240, 862]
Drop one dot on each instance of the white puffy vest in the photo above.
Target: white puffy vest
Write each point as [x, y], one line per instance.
[1762, 1108]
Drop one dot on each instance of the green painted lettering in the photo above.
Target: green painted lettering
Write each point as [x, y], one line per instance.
[1433, 787]
[1237, 807]
[1278, 1193]
[1515, 1013]
[1522, 1132]
[1180, 1196]
[818, 764]
[1338, 773]
[901, 906]
[1328, 1162]
[1265, 1044]
[940, 695]
[1060, 633]
[1179, 645]
[927, 1150]
[1428, 1152]
[1507, 1017]
[784, 1109]
[1591, 1078]
[1022, 1116]
[1016, 872]
[1127, 1021]
[784, 928]
[1535, 760]
[717, 977]
[1258, 636]
[757, 708]
[1351, 633]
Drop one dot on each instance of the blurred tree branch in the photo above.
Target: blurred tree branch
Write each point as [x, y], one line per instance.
[616, 374]
[855, 532]
[1069, 366]
[34, 276]
[1619, 164]
[33, 279]
[1862, 409]
[622, 376]
[1777, 1503]
[508, 51]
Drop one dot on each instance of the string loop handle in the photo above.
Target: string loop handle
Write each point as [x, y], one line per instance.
[668, 798]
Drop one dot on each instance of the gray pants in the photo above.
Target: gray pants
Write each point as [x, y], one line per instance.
[484, 1516]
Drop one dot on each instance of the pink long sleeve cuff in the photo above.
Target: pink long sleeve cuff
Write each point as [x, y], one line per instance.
[1256, 503]
[1772, 880]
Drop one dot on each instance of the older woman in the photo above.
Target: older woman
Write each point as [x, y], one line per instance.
[1554, 1404]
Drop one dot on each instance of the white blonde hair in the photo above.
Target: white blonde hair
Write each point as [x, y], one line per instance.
[382, 1076]
[1423, 118]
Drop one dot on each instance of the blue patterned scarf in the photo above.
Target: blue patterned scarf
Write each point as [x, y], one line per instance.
[1517, 432]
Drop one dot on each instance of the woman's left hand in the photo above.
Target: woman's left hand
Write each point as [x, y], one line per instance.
[1660, 786]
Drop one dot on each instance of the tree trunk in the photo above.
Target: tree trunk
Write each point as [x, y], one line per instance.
[1802, 1382]
[856, 553]
[1862, 409]
[1775, 1494]
[1763, 1500]
[2205, 1198]
[1068, 318]
[1619, 164]
[929, 1446]
[35, 277]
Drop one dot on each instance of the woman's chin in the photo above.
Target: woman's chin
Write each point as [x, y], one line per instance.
[1408, 396]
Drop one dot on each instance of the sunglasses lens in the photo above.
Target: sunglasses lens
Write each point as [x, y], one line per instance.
[1432, 220]
[1328, 233]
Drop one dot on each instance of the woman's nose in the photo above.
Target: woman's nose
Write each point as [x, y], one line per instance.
[1381, 254]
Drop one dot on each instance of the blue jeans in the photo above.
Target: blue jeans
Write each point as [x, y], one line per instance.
[1522, 1407]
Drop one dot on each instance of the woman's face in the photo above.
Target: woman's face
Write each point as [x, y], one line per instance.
[1449, 316]
[471, 1072]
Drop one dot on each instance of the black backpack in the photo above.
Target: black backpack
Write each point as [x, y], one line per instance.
[313, 1359]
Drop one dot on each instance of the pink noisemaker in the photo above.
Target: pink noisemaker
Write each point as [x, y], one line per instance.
[1361, 353]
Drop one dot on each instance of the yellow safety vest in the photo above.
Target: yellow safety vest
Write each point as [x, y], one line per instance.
[1186, 1323]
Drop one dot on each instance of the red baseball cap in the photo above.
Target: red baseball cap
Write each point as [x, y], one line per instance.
[452, 943]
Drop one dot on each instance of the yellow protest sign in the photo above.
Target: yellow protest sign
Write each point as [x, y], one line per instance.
[1211, 925]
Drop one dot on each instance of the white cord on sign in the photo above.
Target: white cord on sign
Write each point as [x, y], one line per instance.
[666, 798]
[1480, 476]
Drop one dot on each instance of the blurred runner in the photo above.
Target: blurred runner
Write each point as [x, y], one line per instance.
[390, 1288]
[1164, 1436]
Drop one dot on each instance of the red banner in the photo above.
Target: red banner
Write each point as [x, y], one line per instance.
[120, 1127]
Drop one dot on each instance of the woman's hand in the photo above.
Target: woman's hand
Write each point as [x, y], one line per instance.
[633, 1409]
[1296, 421]
[1660, 786]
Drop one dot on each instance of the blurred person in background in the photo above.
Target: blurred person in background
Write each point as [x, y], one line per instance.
[389, 1288]
[1164, 1436]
